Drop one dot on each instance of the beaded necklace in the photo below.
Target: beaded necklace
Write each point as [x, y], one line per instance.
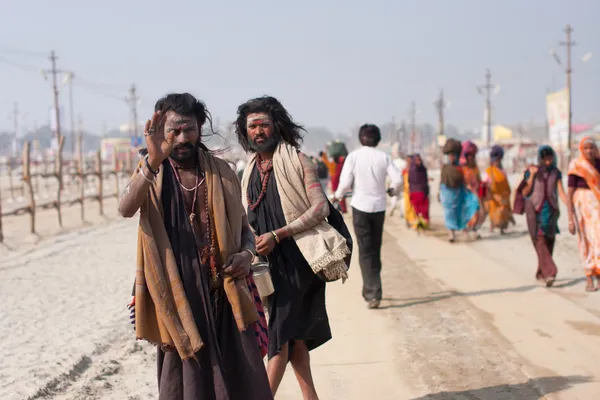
[207, 253]
[265, 172]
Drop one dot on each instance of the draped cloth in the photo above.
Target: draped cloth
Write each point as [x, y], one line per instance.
[410, 214]
[420, 204]
[587, 210]
[459, 204]
[543, 223]
[499, 202]
[297, 307]
[473, 182]
[417, 178]
[452, 176]
[586, 170]
[419, 195]
[324, 248]
[164, 313]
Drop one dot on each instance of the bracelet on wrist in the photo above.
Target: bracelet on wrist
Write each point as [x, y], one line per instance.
[275, 236]
[149, 167]
[149, 180]
[249, 252]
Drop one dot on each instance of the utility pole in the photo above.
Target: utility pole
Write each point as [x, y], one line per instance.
[487, 87]
[440, 105]
[132, 100]
[16, 117]
[54, 72]
[402, 135]
[413, 130]
[569, 44]
[79, 150]
[72, 116]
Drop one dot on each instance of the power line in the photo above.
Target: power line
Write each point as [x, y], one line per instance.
[27, 53]
[21, 66]
[95, 90]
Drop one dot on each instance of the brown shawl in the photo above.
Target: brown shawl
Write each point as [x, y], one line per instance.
[163, 313]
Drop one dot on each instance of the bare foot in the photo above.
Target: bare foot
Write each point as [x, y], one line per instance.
[372, 304]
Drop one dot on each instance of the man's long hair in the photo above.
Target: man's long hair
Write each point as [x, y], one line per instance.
[283, 123]
[187, 105]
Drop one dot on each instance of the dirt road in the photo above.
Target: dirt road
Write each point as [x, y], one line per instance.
[461, 321]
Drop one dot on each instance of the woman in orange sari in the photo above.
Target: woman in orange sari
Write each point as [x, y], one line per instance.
[473, 182]
[584, 208]
[498, 188]
[410, 214]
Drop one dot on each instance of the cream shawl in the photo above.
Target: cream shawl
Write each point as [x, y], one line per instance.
[322, 246]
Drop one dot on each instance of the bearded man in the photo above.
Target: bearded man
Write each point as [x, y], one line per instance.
[287, 209]
[192, 295]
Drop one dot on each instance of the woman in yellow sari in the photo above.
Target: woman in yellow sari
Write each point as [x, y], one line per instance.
[410, 215]
[498, 188]
[584, 208]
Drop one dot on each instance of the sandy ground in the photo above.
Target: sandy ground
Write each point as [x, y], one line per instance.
[460, 321]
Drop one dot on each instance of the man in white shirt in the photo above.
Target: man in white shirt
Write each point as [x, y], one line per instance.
[365, 171]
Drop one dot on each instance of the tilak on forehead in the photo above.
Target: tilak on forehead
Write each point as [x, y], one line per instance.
[258, 119]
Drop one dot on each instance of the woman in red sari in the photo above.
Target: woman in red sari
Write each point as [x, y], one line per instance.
[335, 179]
[418, 184]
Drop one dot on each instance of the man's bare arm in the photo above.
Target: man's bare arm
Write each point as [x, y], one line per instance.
[134, 194]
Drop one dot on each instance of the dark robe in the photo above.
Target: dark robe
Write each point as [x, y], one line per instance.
[229, 366]
[297, 307]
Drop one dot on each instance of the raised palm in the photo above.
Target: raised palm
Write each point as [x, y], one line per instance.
[158, 142]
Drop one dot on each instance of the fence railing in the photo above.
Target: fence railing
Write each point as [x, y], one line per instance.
[26, 193]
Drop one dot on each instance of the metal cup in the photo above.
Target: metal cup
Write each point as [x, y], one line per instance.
[262, 278]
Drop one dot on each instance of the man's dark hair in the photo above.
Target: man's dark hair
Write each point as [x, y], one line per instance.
[369, 135]
[187, 105]
[283, 123]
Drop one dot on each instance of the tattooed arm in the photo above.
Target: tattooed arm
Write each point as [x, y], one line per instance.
[319, 206]
[134, 194]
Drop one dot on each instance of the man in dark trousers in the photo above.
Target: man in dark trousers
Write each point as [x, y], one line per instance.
[365, 171]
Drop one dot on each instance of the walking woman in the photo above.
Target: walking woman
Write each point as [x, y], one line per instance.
[542, 186]
[584, 208]
[459, 203]
[335, 180]
[409, 212]
[473, 182]
[418, 183]
[498, 189]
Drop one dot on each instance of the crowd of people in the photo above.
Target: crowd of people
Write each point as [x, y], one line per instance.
[202, 225]
[468, 197]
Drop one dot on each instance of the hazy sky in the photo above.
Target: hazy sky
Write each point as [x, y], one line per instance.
[332, 63]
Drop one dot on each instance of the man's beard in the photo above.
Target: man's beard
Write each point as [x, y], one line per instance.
[183, 156]
[268, 145]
